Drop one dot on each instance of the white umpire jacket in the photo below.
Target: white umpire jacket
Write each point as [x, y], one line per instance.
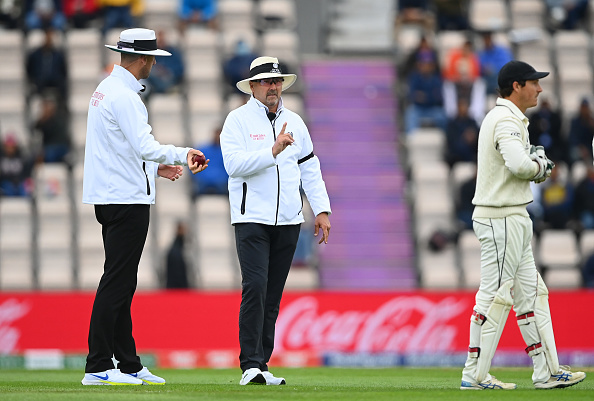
[264, 189]
[121, 154]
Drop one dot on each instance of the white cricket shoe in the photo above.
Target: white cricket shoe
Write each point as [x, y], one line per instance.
[147, 377]
[110, 377]
[252, 376]
[488, 384]
[563, 378]
[273, 381]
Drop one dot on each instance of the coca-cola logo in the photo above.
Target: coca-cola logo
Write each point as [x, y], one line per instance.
[402, 324]
[10, 311]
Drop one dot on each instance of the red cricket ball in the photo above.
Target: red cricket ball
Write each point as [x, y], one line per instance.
[199, 159]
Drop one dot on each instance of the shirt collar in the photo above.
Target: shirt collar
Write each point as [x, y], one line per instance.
[127, 77]
[514, 109]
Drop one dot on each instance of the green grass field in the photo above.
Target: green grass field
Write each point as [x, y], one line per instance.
[334, 384]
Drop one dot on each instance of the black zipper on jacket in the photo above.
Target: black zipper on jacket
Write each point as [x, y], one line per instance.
[272, 122]
[148, 186]
[243, 198]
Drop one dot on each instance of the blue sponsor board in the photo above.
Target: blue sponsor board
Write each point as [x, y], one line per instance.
[502, 358]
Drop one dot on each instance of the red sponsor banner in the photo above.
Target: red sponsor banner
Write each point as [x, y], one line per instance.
[192, 328]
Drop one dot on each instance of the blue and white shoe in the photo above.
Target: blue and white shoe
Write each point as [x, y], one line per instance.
[271, 380]
[147, 377]
[563, 378]
[111, 377]
[488, 384]
[252, 376]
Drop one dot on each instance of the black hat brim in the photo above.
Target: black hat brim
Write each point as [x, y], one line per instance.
[536, 75]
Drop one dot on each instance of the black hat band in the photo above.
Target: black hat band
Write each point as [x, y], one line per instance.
[146, 45]
[268, 68]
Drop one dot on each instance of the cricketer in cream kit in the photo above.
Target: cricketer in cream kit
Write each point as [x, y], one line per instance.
[504, 165]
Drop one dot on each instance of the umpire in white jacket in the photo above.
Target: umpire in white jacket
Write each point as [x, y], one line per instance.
[268, 154]
[122, 159]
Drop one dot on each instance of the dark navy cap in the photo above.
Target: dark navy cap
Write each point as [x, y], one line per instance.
[517, 71]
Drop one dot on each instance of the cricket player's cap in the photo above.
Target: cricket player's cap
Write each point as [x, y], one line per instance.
[514, 71]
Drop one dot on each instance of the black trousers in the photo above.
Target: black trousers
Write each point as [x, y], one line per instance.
[124, 231]
[265, 255]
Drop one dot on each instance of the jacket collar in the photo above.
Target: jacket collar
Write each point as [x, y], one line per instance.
[510, 105]
[126, 76]
[255, 103]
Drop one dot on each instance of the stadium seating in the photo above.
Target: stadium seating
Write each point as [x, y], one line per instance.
[66, 252]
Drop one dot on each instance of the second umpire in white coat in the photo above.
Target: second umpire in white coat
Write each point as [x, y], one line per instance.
[268, 153]
[506, 165]
[122, 160]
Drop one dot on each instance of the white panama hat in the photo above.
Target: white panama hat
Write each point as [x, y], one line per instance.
[138, 41]
[266, 67]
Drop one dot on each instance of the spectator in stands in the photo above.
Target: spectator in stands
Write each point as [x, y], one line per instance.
[492, 57]
[120, 13]
[462, 63]
[462, 79]
[581, 132]
[545, 130]
[566, 14]
[168, 73]
[213, 180]
[588, 272]
[201, 12]
[44, 14]
[304, 251]
[176, 275]
[52, 126]
[415, 12]
[15, 169]
[425, 96]
[237, 67]
[47, 70]
[462, 136]
[583, 205]
[425, 48]
[10, 14]
[464, 206]
[452, 15]
[557, 201]
[80, 13]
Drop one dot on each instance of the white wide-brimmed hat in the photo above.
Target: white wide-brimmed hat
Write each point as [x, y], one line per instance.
[266, 67]
[138, 41]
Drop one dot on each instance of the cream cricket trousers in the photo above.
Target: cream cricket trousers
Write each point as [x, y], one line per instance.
[506, 254]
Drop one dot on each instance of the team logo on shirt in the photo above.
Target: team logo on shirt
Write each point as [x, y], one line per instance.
[96, 98]
[516, 134]
[258, 137]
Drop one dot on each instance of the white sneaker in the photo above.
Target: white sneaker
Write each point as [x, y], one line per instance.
[110, 377]
[273, 381]
[563, 378]
[489, 384]
[252, 376]
[147, 377]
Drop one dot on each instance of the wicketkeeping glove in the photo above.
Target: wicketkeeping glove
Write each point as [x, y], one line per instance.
[545, 165]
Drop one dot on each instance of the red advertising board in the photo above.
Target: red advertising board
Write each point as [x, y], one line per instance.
[192, 328]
